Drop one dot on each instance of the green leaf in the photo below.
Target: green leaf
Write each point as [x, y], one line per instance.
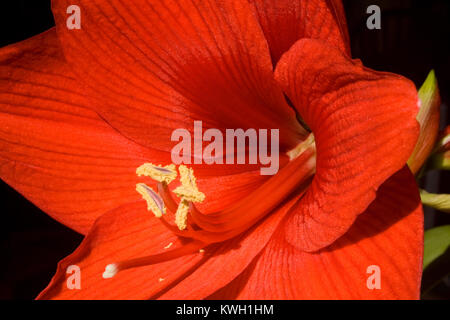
[437, 241]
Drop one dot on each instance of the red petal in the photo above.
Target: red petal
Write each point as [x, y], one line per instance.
[284, 22]
[388, 235]
[63, 157]
[234, 254]
[131, 232]
[124, 233]
[160, 65]
[365, 127]
[53, 148]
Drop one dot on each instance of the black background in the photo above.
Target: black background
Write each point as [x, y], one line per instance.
[415, 38]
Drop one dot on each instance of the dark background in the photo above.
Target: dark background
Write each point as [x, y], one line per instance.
[415, 38]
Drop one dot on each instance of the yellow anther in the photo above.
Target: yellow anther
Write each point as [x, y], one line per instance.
[302, 147]
[159, 173]
[188, 189]
[168, 246]
[154, 202]
[187, 192]
[182, 214]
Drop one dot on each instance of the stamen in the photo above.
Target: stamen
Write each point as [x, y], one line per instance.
[188, 192]
[230, 222]
[159, 173]
[168, 246]
[223, 225]
[182, 214]
[201, 229]
[154, 202]
[188, 189]
[302, 147]
[166, 196]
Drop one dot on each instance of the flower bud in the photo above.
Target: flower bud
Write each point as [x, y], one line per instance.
[439, 202]
[428, 118]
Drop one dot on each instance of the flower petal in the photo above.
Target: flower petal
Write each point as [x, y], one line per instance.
[158, 66]
[131, 232]
[67, 160]
[124, 233]
[234, 254]
[284, 22]
[53, 149]
[365, 127]
[388, 235]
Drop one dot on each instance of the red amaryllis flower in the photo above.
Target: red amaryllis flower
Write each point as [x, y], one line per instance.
[81, 110]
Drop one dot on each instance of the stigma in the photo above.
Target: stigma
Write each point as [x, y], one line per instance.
[110, 271]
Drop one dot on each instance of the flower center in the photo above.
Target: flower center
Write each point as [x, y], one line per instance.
[202, 229]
